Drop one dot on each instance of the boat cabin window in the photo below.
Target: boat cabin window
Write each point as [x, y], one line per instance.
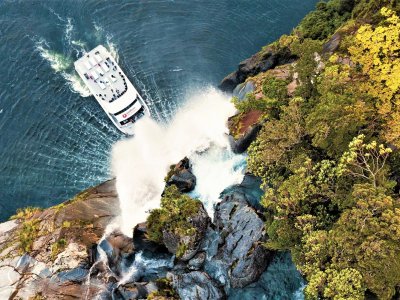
[126, 108]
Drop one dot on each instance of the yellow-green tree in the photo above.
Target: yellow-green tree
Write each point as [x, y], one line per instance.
[341, 110]
[376, 51]
[277, 137]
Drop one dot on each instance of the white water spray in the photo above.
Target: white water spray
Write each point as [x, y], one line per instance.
[141, 163]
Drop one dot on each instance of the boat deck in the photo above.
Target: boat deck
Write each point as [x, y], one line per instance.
[103, 76]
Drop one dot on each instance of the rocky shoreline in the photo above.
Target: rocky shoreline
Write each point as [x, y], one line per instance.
[228, 253]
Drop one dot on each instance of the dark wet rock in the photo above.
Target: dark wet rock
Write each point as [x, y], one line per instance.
[240, 257]
[97, 205]
[197, 261]
[192, 242]
[137, 290]
[91, 266]
[120, 243]
[92, 254]
[75, 275]
[181, 175]
[129, 292]
[333, 43]
[281, 280]
[240, 145]
[196, 286]
[141, 243]
[241, 90]
[119, 250]
[249, 188]
[260, 62]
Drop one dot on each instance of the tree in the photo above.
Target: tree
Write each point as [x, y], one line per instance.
[173, 215]
[276, 138]
[340, 110]
[367, 238]
[322, 22]
[366, 160]
[376, 52]
[306, 65]
[335, 284]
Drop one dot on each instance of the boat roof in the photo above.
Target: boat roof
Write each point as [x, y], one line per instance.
[105, 79]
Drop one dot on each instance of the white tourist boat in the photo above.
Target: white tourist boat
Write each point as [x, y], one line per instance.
[111, 88]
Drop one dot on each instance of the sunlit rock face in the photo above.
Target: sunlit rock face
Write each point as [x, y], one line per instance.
[55, 259]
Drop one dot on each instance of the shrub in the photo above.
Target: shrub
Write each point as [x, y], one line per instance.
[57, 247]
[25, 213]
[274, 88]
[173, 215]
[253, 103]
[322, 22]
[27, 234]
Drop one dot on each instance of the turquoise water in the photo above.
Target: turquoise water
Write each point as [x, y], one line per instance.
[53, 141]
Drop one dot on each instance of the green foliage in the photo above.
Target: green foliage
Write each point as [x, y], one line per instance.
[276, 138]
[370, 9]
[170, 173]
[336, 284]
[329, 159]
[57, 247]
[235, 125]
[341, 252]
[376, 52]
[274, 88]
[182, 247]
[366, 160]
[37, 296]
[340, 111]
[173, 215]
[306, 65]
[27, 234]
[303, 202]
[26, 213]
[367, 238]
[252, 103]
[66, 224]
[322, 22]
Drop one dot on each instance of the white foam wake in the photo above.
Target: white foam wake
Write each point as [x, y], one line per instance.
[140, 163]
[63, 64]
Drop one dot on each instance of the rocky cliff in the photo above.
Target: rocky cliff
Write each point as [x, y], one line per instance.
[68, 252]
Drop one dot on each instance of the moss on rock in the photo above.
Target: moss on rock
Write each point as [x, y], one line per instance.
[179, 223]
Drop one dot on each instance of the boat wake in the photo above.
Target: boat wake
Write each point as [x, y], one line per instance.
[62, 61]
[198, 130]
